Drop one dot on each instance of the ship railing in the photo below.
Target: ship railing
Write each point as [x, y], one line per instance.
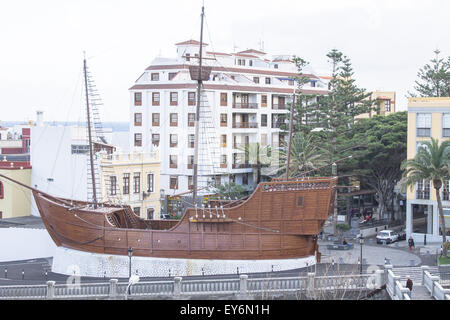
[23, 292]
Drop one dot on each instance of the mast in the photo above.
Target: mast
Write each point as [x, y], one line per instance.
[91, 157]
[197, 114]
[291, 123]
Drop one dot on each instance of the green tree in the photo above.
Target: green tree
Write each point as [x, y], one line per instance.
[434, 78]
[305, 155]
[432, 162]
[257, 157]
[377, 160]
[231, 190]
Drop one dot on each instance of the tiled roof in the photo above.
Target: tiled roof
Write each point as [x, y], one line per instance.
[192, 42]
[252, 51]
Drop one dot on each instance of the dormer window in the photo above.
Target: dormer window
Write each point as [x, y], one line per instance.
[155, 76]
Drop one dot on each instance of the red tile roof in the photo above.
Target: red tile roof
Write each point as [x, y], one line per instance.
[252, 51]
[193, 42]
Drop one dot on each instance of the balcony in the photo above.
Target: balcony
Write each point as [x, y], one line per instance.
[240, 145]
[279, 106]
[241, 165]
[245, 105]
[241, 125]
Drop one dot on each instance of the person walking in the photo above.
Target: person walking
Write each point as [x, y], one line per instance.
[410, 243]
[409, 285]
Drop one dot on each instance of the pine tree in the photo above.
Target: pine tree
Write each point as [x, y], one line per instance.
[434, 78]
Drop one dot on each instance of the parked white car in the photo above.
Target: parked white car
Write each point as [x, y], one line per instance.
[387, 236]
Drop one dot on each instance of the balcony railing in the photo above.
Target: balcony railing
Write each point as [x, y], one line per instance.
[240, 145]
[277, 124]
[241, 165]
[245, 105]
[245, 125]
[279, 106]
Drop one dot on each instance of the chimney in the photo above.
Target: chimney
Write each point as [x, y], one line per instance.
[39, 118]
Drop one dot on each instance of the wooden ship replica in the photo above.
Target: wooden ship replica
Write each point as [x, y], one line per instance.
[279, 220]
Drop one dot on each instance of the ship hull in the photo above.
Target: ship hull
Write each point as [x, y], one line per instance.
[280, 220]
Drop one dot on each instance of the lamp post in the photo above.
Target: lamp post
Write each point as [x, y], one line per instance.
[130, 254]
[361, 242]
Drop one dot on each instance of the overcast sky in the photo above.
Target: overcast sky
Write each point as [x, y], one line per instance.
[42, 43]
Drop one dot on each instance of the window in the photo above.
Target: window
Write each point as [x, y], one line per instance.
[138, 139]
[173, 161]
[223, 119]
[126, 183]
[2, 191]
[137, 211]
[223, 161]
[150, 182]
[191, 119]
[190, 163]
[263, 139]
[423, 124]
[80, 149]
[173, 182]
[150, 213]
[155, 99]
[138, 119]
[173, 140]
[223, 99]
[155, 76]
[263, 120]
[313, 83]
[446, 125]
[191, 140]
[113, 185]
[387, 105]
[155, 139]
[137, 182]
[174, 98]
[291, 82]
[267, 80]
[174, 119]
[191, 98]
[188, 57]
[275, 66]
[256, 79]
[155, 119]
[138, 98]
[223, 140]
[190, 182]
[423, 190]
[263, 100]
[172, 75]
[250, 63]
[245, 179]
[299, 201]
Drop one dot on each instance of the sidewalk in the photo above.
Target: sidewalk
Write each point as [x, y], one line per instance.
[372, 254]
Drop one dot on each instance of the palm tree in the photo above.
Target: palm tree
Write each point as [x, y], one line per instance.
[256, 156]
[432, 162]
[306, 155]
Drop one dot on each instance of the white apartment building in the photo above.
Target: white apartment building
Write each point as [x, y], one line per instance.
[248, 92]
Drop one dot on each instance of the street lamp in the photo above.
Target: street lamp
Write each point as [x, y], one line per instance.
[361, 242]
[130, 254]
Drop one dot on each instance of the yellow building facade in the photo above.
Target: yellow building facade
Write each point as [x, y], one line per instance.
[132, 179]
[384, 102]
[427, 118]
[15, 201]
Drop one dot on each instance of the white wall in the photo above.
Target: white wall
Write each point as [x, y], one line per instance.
[51, 157]
[22, 244]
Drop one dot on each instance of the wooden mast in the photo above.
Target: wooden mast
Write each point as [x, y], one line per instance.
[291, 123]
[197, 114]
[91, 156]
